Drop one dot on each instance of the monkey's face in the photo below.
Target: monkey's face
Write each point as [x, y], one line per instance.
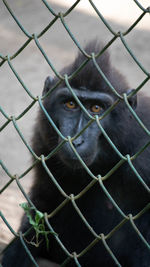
[75, 124]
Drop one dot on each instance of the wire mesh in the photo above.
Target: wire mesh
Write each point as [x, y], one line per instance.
[99, 179]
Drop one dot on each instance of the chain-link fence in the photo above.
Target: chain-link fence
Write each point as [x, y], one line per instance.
[9, 119]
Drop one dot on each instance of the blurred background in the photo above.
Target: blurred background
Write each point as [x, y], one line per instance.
[61, 50]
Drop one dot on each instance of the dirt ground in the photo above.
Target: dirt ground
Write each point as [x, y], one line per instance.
[33, 69]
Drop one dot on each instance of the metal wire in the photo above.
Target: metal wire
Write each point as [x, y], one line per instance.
[99, 179]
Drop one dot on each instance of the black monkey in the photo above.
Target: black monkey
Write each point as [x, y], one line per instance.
[97, 153]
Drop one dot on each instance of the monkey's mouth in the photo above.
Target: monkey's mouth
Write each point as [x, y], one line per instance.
[75, 163]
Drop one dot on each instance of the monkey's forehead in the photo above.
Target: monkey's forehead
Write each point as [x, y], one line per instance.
[81, 93]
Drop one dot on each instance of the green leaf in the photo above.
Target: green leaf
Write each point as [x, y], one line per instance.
[38, 224]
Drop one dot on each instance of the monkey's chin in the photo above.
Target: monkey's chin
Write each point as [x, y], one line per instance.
[76, 164]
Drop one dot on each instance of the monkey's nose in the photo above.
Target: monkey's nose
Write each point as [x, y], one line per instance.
[78, 142]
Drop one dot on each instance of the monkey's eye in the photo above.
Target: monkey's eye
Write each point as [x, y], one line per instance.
[96, 108]
[70, 105]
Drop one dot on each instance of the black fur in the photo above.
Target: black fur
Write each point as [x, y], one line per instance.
[123, 185]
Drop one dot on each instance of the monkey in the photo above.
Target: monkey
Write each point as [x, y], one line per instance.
[108, 234]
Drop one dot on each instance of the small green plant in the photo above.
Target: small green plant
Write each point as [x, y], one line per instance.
[37, 222]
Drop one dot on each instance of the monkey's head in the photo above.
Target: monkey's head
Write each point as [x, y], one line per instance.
[96, 97]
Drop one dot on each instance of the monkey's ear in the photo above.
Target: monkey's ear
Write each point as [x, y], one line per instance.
[133, 99]
[47, 85]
